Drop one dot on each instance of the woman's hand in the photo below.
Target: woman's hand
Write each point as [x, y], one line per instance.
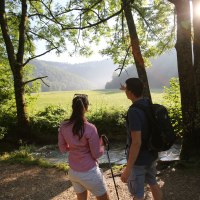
[105, 142]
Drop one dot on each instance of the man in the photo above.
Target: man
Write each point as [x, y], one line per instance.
[140, 168]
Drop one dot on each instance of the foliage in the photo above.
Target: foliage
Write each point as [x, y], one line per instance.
[3, 131]
[24, 156]
[173, 103]
[153, 39]
[7, 106]
[33, 87]
[97, 20]
[110, 122]
[48, 120]
[6, 86]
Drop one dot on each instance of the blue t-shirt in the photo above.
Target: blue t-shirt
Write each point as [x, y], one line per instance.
[137, 121]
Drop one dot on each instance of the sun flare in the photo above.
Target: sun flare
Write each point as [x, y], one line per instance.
[196, 10]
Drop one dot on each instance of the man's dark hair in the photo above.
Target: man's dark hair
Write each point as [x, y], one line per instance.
[135, 85]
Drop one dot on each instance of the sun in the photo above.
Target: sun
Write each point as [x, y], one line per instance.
[196, 10]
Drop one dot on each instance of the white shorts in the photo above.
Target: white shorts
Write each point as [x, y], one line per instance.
[91, 180]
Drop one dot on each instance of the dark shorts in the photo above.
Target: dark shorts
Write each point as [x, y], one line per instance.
[139, 176]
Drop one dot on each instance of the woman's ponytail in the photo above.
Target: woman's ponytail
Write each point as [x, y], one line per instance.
[79, 106]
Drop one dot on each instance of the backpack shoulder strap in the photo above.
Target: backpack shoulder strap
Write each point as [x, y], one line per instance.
[147, 110]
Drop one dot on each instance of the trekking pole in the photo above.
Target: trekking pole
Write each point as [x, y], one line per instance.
[107, 147]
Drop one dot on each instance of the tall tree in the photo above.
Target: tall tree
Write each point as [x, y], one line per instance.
[23, 22]
[189, 81]
[196, 50]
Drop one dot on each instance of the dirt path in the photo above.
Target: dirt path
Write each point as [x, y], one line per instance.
[18, 182]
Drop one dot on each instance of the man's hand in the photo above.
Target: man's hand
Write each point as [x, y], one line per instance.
[125, 174]
[122, 87]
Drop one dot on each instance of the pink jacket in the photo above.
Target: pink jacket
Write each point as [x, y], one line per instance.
[83, 153]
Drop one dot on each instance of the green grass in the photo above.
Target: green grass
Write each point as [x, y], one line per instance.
[98, 99]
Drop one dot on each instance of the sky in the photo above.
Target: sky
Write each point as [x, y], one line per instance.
[64, 57]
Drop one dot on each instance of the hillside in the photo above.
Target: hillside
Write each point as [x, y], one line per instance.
[162, 70]
[60, 80]
[101, 74]
[65, 76]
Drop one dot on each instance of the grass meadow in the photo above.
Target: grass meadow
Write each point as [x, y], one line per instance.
[99, 99]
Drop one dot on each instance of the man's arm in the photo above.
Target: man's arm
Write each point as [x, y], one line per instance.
[133, 154]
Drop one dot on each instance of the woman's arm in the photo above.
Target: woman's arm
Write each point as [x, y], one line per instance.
[62, 144]
[95, 144]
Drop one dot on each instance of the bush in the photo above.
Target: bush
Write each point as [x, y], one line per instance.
[173, 103]
[3, 131]
[48, 120]
[110, 122]
[45, 123]
[7, 123]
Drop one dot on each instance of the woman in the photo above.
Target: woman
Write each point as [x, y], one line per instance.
[81, 139]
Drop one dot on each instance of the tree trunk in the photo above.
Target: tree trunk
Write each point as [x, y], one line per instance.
[139, 62]
[186, 75]
[22, 117]
[196, 52]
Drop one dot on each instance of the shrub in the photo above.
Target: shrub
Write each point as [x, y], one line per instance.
[49, 119]
[173, 103]
[110, 122]
[45, 123]
[3, 131]
[7, 122]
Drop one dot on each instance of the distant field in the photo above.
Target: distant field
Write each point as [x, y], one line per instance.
[114, 99]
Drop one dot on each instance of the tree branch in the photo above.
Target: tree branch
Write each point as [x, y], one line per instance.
[38, 78]
[123, 64]
[94, 24]
[39, 55]
[41, 37]
[146, 22]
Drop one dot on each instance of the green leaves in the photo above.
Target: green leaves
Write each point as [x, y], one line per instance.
[173, 103]
[6, 84]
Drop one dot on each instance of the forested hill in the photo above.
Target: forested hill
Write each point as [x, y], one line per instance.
[162, 70]
[65, 76]
[100, 74]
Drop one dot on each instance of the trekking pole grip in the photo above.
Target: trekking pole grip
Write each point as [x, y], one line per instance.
[105, 142]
